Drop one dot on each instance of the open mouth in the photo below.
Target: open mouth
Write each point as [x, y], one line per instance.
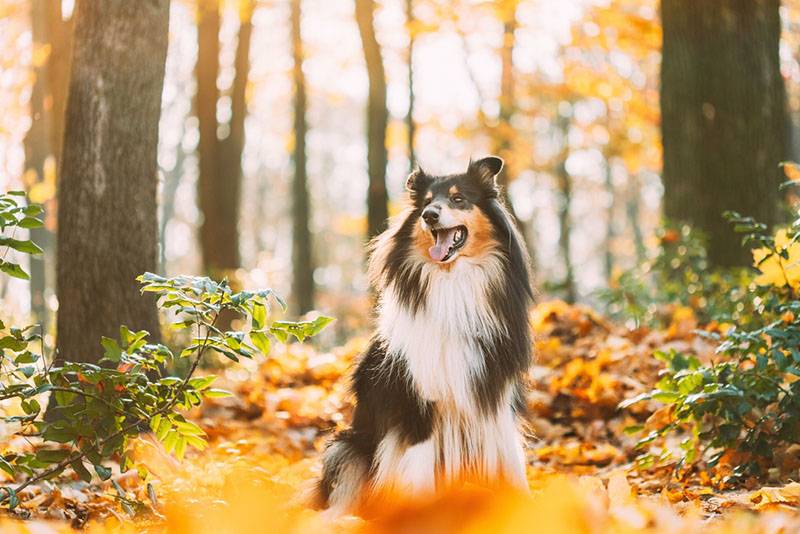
[448, 241]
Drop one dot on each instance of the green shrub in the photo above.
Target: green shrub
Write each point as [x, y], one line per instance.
[678, 275]
[747, 401]
[99, 408]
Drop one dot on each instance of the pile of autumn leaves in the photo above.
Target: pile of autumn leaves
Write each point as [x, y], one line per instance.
[265, 443]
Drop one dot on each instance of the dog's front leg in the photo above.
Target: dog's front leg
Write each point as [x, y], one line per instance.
[403, 469]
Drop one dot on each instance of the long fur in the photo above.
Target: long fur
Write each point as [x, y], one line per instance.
[439, 390]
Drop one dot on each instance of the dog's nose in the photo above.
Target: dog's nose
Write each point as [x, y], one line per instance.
[431, 215]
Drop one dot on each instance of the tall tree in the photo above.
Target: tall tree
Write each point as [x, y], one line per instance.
[564, 185]
[220, 178]
[632, 213]
[51, 41]
[504, 132]
[302, 261]
[411, 127]
[724, 121]
[377, 120]
[107, 190]
[507, 11]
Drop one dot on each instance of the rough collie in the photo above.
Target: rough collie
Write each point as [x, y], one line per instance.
[439, 390]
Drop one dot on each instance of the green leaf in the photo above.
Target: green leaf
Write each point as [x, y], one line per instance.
[51, 456]
[180, 447]
[34, 210]
[12, 343]
[319, 324]
[170, 441]
[189, 428]
[261, 341]
[113, 351]
[63, 398]
[12, 269]
[81, 471]
[666, 397]
[279, 334]
[13, 500]
[7, 467]
[634, 400]
[196, 442]
[26, 357]
[163, 429]
[155, 422]
[27, 246]
[31, 222]
[59, 434]
[216, 393]
[103, 472]
[30, 406]
[201, 382]
[259, 316]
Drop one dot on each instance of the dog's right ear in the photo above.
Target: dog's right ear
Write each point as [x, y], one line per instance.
[416, 181]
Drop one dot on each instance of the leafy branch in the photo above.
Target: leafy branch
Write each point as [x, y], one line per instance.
[99, 408]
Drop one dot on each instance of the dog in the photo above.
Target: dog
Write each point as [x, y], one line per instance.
[439, 391]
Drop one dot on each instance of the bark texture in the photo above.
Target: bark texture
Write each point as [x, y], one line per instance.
[377, 120]
[107, 192]
[724, 119]
[302, 260]
[220, 157]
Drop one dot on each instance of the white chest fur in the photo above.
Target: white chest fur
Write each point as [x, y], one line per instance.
[440, 345]
[440, 341]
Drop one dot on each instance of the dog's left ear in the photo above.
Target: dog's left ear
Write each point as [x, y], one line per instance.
[416, 181]
[486, 170]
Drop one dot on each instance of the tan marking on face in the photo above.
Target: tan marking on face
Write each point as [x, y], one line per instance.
[452, 191]
[429, 195]
[423, 240]
[480, 241]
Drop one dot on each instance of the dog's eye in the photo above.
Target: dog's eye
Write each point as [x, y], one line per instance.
[458, 199]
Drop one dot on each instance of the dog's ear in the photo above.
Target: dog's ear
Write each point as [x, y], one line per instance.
[416, 181]
[485, 170]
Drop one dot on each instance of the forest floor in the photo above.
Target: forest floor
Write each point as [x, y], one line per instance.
[265, 443]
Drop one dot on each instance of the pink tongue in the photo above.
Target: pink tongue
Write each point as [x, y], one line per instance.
[444, 240]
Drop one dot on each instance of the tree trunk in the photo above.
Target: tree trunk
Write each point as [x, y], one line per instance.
[724, 120]
[220, 177]
[632, 211]
[43, 141]
[504, 133]
[37, 150]
[107, 220]
[377, 119]
[564, 181]
[302, 261]
[411, 126]
[58, 71]
[608, 246]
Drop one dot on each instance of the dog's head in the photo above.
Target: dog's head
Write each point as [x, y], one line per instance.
[451, 220]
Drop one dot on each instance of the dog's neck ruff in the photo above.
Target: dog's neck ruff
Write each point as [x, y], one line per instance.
[440, 340]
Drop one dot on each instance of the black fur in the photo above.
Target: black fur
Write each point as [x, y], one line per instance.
[385, 397]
